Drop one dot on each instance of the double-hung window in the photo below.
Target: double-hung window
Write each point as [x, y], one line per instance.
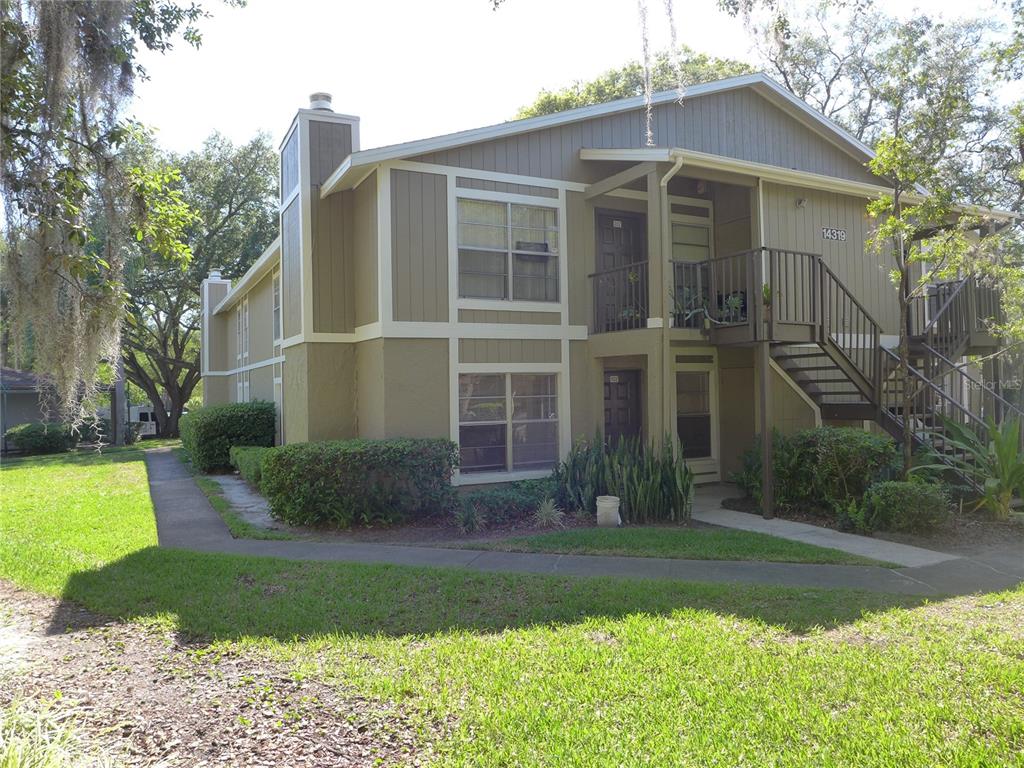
[277, 306]
[508, 422]
[507, 251]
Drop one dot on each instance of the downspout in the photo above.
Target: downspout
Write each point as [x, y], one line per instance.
[667, 382]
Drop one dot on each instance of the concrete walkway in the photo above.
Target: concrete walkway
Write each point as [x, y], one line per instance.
[186, 520]
[876, 549]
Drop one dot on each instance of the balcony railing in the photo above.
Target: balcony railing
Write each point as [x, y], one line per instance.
[621, 297]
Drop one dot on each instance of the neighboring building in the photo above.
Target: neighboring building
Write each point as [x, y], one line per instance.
[20, 399]
[519, 286]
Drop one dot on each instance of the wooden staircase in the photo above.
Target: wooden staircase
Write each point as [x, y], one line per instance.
[824, 339]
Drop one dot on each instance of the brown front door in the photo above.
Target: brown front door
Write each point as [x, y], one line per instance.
[622, 412]
[620, 239]
[620, 288]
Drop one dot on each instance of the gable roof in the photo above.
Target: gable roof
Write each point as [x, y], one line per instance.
[355, 167]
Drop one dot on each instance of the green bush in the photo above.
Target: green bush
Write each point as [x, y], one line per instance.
[653, 485]
[343, 482]
[822, 468]
[897, 505]
[504, 503]
[208, 434]
[247, 459]
[38, 437]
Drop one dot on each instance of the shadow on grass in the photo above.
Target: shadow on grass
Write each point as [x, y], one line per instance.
[219, 596]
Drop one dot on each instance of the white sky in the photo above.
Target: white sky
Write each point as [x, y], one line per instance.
[409, 68]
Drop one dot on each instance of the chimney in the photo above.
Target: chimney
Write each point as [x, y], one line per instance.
[321, 101]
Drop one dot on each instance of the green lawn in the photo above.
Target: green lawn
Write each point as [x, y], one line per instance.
[664, 541]
[503, 669]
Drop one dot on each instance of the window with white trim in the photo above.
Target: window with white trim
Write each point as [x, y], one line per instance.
[277, 306]
[508, 421]
[507, 251]
[242, 332]
[242, 387]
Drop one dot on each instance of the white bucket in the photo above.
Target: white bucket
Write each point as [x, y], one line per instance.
[608, 512]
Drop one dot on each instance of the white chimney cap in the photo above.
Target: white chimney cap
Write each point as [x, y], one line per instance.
[320, 100]
[215, 274]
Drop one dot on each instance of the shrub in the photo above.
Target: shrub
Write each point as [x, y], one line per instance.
[208, 434]
[342, 482]
[38, 437]
[897, 505]
[821, 468]
[247, 459]
[549, 515]
[502, 503]
[653, 484]
[995, 465]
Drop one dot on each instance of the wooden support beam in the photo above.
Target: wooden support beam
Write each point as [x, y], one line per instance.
[767, 465]
[620, 179]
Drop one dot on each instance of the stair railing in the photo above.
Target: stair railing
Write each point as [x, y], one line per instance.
[851, 329]
[949, 329]
[927, 402]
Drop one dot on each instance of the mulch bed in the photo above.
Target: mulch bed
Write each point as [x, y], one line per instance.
[149, 698]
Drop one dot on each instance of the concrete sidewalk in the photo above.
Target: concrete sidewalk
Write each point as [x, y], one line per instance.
[186, 520]
[876, 549]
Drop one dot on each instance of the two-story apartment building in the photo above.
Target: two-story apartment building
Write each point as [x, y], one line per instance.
[518, 286]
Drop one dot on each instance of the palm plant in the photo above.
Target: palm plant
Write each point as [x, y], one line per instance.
[996, 465]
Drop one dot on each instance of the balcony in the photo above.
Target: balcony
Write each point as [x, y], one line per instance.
[621, 297]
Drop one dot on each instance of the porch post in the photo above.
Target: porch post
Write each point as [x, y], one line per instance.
[655, 256]
[767, 473]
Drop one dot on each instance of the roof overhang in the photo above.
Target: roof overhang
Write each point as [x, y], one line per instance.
[269, 259]
[770, 173]
[348, 173]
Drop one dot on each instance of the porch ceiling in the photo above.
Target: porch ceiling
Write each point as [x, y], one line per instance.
[771, 173]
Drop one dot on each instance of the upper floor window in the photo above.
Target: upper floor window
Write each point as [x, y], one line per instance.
[508, 251]
[277, 306]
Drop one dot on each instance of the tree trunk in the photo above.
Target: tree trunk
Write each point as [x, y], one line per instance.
[904, 350]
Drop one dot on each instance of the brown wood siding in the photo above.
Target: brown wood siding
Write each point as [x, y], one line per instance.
[290, 165]
[331, 223]
[865, 273]
[501, 186]
[261, 320]
[364, 246]
[333, 263]
[506, 316]
[509, 351]
[291, 270]
[738, 123]
[419, 246]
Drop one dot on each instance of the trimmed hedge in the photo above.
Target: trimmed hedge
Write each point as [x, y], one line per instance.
[208, 434]
[502, 503]
[820, 468]
[248, 459]
[897, 505]
[344, 482]
[39, 438]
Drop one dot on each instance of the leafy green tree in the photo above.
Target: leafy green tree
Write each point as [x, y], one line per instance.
[925, 114]
[67, 70]
[667, 73]
[233, 191]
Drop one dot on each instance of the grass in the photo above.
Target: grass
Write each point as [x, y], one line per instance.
[34, 737]
[665, 541]
[240, 528]
[507, 669]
